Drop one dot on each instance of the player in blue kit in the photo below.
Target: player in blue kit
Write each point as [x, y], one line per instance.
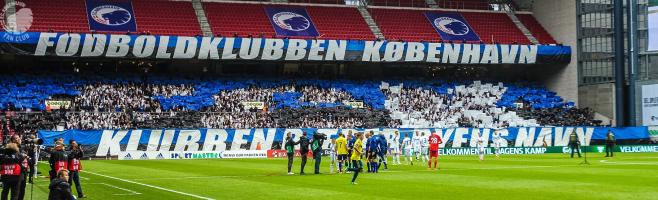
[382, 150]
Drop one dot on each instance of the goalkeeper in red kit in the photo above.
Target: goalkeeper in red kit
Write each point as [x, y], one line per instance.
[434, 141]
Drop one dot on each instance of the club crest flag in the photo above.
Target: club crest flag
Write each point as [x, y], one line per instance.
[291, 21]
[452, 26]
[111, 15]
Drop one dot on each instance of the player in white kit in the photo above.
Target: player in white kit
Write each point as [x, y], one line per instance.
[416, 145]
[408, 150]
[332, 155]
[497, 143]
[480, 144]
[424, 146]
[395, 145]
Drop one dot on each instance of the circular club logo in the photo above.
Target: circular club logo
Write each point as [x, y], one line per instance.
[451, 26]
[111, 15]
[16, 18]
[291, 21]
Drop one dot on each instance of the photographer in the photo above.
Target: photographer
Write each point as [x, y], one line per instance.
[12, 171]
[74, 165]
[31, 146]
[303, 149]
[316, 146]
[58, 159]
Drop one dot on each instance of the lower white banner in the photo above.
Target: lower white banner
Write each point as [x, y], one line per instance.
[164, 155]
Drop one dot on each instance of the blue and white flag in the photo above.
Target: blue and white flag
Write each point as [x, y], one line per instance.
[111, 15]
[289, 21]
[452, 26]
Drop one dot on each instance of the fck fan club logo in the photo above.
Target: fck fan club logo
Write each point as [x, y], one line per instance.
[451, 26]
[291, 21]
[16, 19]
[111, 15]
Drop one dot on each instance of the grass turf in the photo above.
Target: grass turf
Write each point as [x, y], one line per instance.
[550, 176]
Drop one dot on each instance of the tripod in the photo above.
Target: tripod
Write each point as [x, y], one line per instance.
[585, 162]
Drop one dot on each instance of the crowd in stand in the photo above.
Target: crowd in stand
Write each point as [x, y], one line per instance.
[126, 105]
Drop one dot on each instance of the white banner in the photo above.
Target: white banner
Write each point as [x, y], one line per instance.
[355, 104]
[57, 104]
[166, 155]
[650, 105]
[253, 104]
[653, 28]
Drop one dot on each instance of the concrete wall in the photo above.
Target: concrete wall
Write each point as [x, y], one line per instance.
[600, 98]
[638, 100]
[558, 17]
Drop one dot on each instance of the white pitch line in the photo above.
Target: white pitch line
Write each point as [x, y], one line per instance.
[627, 163]
[151, 186]
[119, 188]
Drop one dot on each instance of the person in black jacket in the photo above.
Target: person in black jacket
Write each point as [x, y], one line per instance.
[303, 149]
[574, 143]
[12, 172]
[290, 151]
[59, 188]
[610, 144]
[58, 160]
[75, 165]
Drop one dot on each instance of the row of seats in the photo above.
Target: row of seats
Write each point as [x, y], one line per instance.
[178, 18]
[412, 25]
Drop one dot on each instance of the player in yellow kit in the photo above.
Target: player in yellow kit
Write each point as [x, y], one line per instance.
[357, 165]
[341, 150]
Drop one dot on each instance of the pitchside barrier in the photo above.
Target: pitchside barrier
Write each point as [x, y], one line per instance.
[166, 155]
[253, 143]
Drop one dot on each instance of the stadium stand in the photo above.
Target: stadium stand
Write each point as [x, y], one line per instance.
[400, 3]
[402, 24]
[131, 102]
[412, 25]
[58, 16]
[536, 29]
[229, 19]
[245, 20]
[166, 17]
[331, 23]
[464, 4]
[495, 28]
[340, 2]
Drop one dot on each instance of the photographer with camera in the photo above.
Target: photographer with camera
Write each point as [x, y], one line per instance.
[58, 159]
[74, 165]
[31, 145]
[316, 146]
[14, 169]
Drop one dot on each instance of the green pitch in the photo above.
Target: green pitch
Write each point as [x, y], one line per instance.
[553, 176]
